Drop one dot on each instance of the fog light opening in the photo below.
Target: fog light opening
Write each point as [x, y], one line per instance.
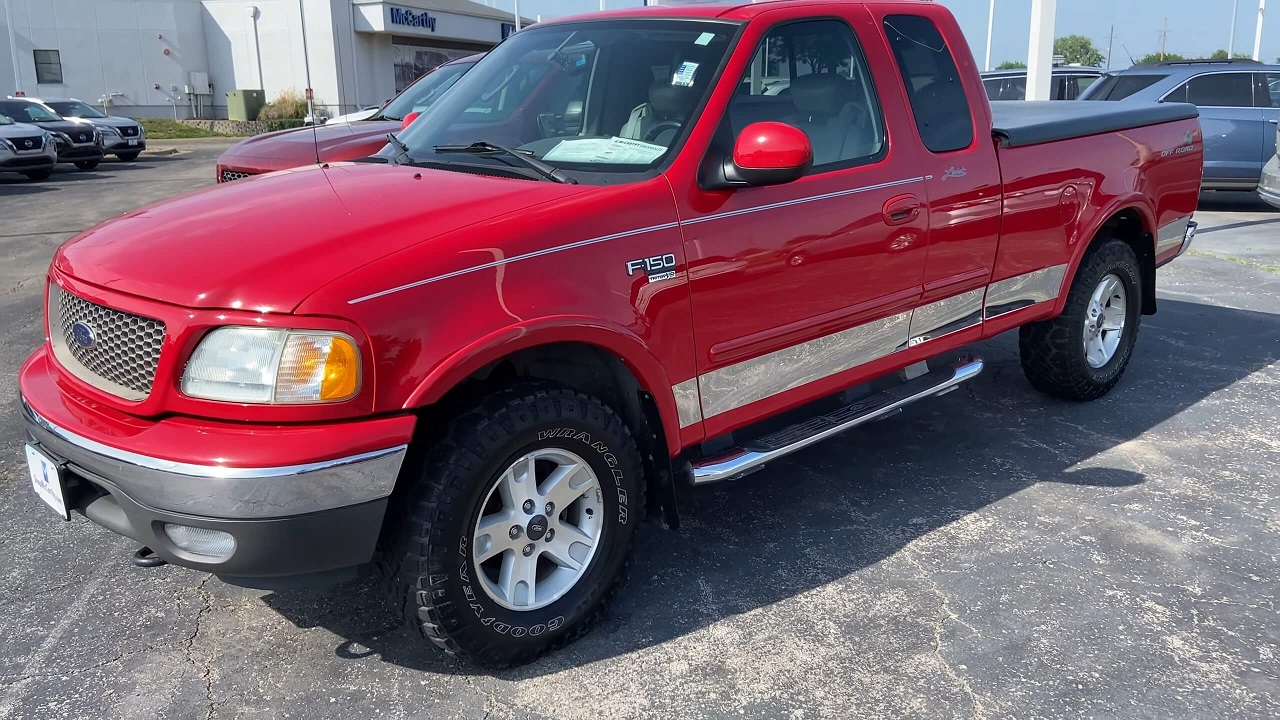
[201, 541]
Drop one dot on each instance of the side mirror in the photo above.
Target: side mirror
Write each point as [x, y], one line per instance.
[766, 153]
[408, 120]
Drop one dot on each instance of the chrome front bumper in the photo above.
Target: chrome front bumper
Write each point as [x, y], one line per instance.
[223, 492]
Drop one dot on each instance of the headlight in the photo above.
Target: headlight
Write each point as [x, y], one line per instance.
[108, 130]
[6, 144]
[267, 365]
[61, 136]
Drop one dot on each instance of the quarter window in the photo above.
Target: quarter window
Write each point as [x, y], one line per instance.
[813, 75]
[1217, 90]
[48, 67]
[1268, 92]
[933, 84]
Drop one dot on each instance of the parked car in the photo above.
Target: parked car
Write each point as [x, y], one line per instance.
[26, 149]
[1239, 106]
[1067, 84]
[480, 358]
[336, 141]
[77, 141]
[121, 136]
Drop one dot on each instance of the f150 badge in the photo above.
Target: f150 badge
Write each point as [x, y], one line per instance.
[658, 267]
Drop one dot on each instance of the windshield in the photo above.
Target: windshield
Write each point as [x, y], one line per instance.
[75, 109]
[23, 111]
[1119, 87]
[607, 96]
[420, 95]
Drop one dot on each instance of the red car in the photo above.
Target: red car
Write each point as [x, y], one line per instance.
[339, 141]
[607, 261]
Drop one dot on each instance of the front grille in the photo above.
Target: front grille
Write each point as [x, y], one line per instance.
[129, 131]
[118, 352]
[28, 144]
[81, 137]
[229, 175]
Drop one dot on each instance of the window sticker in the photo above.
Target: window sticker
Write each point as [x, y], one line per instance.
[614, 150]
[704, 38]
[683, 76]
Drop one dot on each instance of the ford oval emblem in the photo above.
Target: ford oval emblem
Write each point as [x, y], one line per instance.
[84, 336]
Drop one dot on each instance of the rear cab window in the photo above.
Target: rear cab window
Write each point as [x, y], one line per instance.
[938, 101]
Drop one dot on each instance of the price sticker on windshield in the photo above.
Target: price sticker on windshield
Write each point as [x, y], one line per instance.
[684, 74]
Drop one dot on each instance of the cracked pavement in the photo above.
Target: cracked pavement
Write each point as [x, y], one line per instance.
[990, 554]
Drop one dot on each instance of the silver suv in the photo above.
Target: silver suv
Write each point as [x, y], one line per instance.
[121, 136]
[26, 149]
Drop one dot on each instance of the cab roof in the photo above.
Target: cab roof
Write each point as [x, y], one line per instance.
[737, 10]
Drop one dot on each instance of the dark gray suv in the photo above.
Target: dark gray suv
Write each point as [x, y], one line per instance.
[121, 136]
[1239, 103]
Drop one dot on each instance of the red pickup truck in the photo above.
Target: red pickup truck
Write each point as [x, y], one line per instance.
[478, 360]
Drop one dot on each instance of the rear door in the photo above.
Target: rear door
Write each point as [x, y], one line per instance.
[1233, 126]
[1267, 94]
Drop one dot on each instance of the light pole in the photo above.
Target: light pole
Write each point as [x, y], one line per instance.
[1044, 13]
[991, 23]
[13, 48]
[1235, 13]
[1257, 34]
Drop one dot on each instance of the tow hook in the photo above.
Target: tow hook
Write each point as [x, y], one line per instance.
[146, 558]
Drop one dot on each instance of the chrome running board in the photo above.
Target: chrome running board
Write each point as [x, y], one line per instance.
[755, 455]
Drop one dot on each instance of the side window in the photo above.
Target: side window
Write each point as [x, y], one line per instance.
[1084, 81]
[1217, 90]
[813, 75]
[48, 67]
[1268, 92]
[933, 84]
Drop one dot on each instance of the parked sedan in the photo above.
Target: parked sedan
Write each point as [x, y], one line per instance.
[1069, 82]
[337, 141]
[26, 149]
[1239, 104]
[121, 136]
[78, 141]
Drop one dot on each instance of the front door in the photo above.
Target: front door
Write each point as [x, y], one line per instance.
[798, 283]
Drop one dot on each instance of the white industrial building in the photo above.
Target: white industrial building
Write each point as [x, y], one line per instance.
[161, 58]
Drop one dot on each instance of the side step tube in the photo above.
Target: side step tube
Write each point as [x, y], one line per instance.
[743, 461]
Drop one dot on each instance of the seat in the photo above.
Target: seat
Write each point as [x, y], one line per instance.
[828, 111]
[659, 120]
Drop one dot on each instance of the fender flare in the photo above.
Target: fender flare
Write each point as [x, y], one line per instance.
[613, 339]
[1129, 201]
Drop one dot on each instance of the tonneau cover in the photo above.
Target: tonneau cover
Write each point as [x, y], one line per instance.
[1018, 123]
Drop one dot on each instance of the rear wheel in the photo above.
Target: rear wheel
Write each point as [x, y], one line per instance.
[38, 175]
[1081, 354]
[87, 164]
[128, 156]
[517, 531]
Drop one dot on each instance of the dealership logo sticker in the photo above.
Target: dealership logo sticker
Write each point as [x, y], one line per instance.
[409, 18]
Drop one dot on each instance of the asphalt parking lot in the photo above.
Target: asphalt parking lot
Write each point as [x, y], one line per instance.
[990, 554]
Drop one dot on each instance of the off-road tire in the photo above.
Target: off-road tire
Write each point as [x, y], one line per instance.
[425, 559]
[38, 175]
[1052, 351]
[87, 164]
[128, 156]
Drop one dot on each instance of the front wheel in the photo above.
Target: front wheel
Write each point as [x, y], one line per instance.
[87, 164]
[1081, 354]
[517, 531]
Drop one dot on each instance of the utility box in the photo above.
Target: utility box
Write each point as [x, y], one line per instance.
[244, 104]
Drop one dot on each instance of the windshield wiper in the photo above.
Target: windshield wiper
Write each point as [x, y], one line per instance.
[402, 156]
[522, 156]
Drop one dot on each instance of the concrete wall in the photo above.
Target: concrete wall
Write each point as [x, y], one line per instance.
[108, 47]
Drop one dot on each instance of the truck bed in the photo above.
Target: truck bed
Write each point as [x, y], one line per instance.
[1018, 123]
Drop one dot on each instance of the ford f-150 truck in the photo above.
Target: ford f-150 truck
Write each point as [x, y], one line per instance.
[477, 361]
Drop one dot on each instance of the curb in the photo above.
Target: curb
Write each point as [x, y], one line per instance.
[162, 151]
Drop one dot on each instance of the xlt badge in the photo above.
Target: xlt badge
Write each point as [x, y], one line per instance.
[658, 267]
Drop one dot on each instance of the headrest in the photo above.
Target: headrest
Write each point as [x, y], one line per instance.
[668, 99]
[823, 94]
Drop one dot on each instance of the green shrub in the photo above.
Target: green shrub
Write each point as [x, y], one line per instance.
[274, 125]
[288, 105]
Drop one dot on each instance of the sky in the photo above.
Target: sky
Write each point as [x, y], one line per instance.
[1196, 27]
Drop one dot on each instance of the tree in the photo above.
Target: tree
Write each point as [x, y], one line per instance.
[1155, 58]
[1078, 50]
[1221, 54]
[1011, 65]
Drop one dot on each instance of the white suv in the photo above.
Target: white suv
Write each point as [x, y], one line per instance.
[26, 149]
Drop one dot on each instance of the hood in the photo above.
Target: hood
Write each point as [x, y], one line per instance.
[114, 121]
[298, 146]
[269, 242]
[63, 126]
[21, 130]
